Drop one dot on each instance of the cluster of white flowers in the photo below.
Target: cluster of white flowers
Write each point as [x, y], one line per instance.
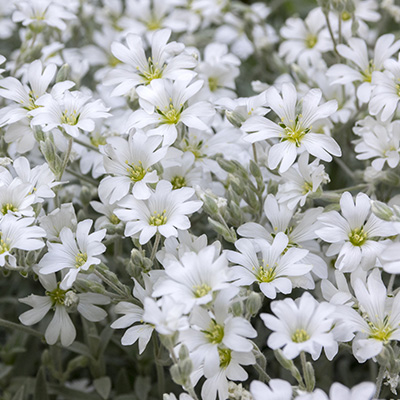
[208, 180]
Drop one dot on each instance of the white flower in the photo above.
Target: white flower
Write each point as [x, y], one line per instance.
[304, 325]
[76, 252]
[166, 61]
[219, 70]
[40, 178]
[364, 391]
[227, 366]
[61, 326]
[129, 162]
[25, 96]
[165, 105]
[300, 181]
[38, 13]
[166, 315]
[133, 313]
[164, 212]
[362, 66]
[194, 278]
[18, 234]
[273, 269]
[183, 172]
[378, 320]
[378, 141]
[277, 389]
[305, 41]
[353, 234]
[300, 230]
[72, 111]
[211, 332]
[15, 196]
[54, 222]
[294, 129]
[386, 93]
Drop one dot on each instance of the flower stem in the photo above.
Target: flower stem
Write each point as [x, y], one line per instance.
[391, 283]
[254, 153]
[328, 24]
[12, 325]
[159, 367]
[66, 159]
[87, 145]
[379, 381]
[155, 247]
[109, 283]
[264, 377]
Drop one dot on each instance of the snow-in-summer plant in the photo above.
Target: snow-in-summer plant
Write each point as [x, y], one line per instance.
[199, 200]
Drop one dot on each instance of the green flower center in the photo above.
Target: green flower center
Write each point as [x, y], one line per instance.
[153, 23]
[300, 336]
[194, 148]
[114, 219]
[266, 273]
[57, 296]
[97, 140]
[69, 118]
[215, 333]
[136, 172]
[158, 218]
[311, 40]
[381, 333]
[358, 237]
[201, 290]
[307, 187]
[80, 259]
[294, 132]
[178, 182]
[225, 357]
[345, 16]
[170, 115]
[8, 207]
[367, 73]
[4, 246]
[154, 71]
[213, 83]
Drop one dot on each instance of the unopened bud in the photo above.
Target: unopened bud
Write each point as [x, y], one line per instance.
[63, 73]
[254, 303]
[382, 210]
[235, 118]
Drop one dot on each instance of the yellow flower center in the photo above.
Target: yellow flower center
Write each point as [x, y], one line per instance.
[266, 273]
[358, 237]
[4, 246]
[158, 218]
[215, 333]
[213, 83]
[97, 140]
[8, 207]
[346, 16]
[136, 172]
[70, 118]
[294, 132]
[311, 40]
[80, 259]
[300, 336]
[154, 71]
[178, 182]
[114, 219]
[367, 73]
[225, 357]
[153, 23]
[201, 290]
[57, 296]
[307, 187]
[170, 115]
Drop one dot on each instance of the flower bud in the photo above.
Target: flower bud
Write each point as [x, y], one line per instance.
[234, 118]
